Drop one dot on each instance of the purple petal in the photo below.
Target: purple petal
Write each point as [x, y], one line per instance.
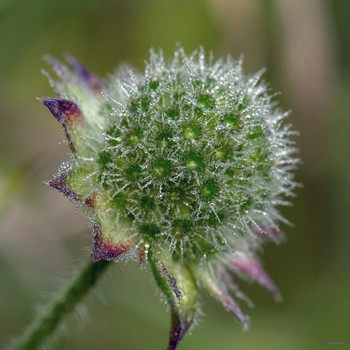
[253, 269]
[105, 249]
[89, 79]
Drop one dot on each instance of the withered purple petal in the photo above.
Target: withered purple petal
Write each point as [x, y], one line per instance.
[64, 111]
[252, 268]
[107, 250]
[88, 78]
[265, 231]
[232, 287]
[61, 70]
[67, 113]
[60, 184]
[229, 303]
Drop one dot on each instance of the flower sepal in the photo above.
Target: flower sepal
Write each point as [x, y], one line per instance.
[176, 282]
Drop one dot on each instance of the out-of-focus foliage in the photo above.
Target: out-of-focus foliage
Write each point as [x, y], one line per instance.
[303, 44]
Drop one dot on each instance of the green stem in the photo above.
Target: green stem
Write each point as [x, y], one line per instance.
[45, 326]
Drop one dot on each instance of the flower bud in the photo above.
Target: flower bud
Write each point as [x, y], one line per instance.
[181, 167]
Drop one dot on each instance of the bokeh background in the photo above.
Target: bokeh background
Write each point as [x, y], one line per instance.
[304, 44]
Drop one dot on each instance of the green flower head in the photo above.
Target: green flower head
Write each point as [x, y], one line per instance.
[181, 168]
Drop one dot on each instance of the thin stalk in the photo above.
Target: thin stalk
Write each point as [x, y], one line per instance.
[45, 326]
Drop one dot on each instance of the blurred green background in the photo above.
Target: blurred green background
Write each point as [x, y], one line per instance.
[304, 44]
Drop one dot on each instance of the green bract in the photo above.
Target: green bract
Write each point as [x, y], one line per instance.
[180, 167]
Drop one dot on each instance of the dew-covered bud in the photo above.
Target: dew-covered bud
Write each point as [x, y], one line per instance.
[181, 167]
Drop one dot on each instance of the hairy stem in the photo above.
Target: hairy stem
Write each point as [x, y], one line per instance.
[45, 326]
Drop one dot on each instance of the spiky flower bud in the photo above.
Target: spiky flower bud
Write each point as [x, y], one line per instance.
[180, 167]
